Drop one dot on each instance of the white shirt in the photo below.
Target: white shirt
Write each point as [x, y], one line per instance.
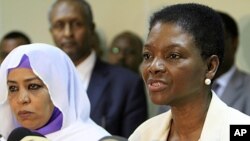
[85, 68]
[223, 80]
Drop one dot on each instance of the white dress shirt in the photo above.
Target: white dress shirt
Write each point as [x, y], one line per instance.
[86, 67]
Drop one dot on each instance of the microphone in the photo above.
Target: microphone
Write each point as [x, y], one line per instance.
[34, 138]
[2, 138]
[113, 138]
[24, 134]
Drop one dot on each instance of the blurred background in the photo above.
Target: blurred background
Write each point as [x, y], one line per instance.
[114, 16]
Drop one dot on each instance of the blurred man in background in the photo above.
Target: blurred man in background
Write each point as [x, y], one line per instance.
[231, 84]
[117, 96]
[12, 40]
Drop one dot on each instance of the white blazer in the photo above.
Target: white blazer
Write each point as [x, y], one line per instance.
[216, 126]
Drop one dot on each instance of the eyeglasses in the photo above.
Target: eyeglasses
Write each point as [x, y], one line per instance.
[126, 51]
[115, 50]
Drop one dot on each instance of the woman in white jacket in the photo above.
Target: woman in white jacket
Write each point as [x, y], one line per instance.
[181, 55]
[41, 90]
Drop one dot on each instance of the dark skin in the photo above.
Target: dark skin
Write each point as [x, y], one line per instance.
[71, 31]
[174, 73]
[7, 45]
[130, 55]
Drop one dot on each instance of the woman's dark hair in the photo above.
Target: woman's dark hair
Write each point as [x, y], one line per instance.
[230, 24]
[200, 21]
[133, 38]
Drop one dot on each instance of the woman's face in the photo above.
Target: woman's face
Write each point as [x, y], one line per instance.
[172, 67]
[29, 98]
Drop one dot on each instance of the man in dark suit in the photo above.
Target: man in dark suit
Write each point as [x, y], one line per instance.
[117, 97]
[231, 84]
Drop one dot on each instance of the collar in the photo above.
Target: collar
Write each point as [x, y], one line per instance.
[224, 79]
[85, 68]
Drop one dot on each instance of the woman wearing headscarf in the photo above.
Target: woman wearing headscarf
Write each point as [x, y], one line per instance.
[41, 90]
[182, 53]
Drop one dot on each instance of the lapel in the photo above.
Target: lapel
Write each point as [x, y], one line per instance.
[215, 127]
[98, 81]
[233, 88]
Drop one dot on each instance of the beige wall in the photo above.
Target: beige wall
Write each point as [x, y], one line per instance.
[114, 16]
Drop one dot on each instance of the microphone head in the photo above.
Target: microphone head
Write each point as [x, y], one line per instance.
[21, 132]
[2, 138]
[113, 138]
[34, 138]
